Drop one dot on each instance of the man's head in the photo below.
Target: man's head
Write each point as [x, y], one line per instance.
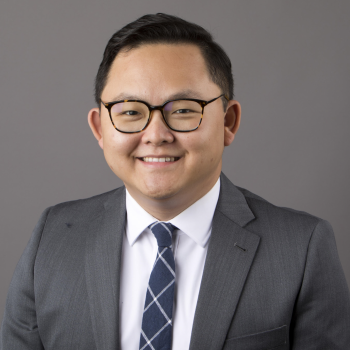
[155, 70]
[167, 29]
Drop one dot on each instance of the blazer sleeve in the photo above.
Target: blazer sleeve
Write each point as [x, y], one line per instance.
[19, 329]
[321, 317]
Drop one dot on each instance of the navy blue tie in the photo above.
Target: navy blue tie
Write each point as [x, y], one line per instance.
[156, 330]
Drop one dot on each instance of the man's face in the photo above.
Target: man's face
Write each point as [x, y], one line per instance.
[156, 73]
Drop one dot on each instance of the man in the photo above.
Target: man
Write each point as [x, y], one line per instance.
[179, 258]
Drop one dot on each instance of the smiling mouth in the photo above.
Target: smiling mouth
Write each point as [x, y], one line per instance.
[159, 160]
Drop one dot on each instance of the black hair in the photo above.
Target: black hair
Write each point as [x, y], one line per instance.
[163, 28]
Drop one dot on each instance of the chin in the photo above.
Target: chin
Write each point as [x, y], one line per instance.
[159, 187]
[159, 192]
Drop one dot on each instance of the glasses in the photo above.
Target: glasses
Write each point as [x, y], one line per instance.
[132, 116]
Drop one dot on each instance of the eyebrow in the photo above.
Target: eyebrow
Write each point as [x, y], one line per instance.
[178, 95]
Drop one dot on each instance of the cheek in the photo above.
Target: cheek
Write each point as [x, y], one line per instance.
[209, 142]
[114, 141]
[119, 143]
[204, 150]
[118, 150]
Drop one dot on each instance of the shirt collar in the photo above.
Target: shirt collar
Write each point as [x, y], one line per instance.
[195, 221]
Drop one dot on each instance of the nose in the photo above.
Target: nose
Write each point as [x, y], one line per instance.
[157, 132]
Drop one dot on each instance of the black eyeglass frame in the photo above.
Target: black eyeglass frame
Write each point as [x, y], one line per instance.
[151, 108]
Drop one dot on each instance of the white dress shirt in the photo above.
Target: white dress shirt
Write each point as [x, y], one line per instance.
[190, 244]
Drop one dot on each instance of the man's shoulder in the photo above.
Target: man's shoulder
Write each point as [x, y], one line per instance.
[278, 221]
[267, 220]
[261, 204]
[87, 207]
[261, 208]
[285, 229]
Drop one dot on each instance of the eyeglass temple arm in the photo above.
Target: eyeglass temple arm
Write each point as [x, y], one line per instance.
[222, 95]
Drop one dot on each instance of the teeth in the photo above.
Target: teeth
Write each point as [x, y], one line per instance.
[150, 159]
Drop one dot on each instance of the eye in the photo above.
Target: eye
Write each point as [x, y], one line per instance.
[131, 112]
[182, 111]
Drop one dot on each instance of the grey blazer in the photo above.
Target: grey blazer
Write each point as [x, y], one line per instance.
[272, 280]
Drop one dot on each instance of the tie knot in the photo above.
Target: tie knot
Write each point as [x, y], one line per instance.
[163, 232]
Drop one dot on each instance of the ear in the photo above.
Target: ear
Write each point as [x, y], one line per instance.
[232, 121]
[94, 120]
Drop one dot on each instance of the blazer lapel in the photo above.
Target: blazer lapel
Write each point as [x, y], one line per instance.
[102, 269]
[230, 254]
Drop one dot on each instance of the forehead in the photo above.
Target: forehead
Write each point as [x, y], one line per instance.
[154, 71]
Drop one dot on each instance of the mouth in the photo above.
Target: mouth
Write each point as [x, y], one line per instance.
[159, 159]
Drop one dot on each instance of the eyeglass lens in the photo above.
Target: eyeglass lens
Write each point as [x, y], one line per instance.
[180, 115]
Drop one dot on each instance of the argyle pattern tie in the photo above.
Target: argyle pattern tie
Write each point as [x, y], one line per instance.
[156, 331]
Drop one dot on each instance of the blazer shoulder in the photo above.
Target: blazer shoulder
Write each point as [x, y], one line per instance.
[284, 218]
[86, 208]
[256, 200]
[259, 214]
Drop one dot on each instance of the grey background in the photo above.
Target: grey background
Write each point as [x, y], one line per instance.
[291, 69]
